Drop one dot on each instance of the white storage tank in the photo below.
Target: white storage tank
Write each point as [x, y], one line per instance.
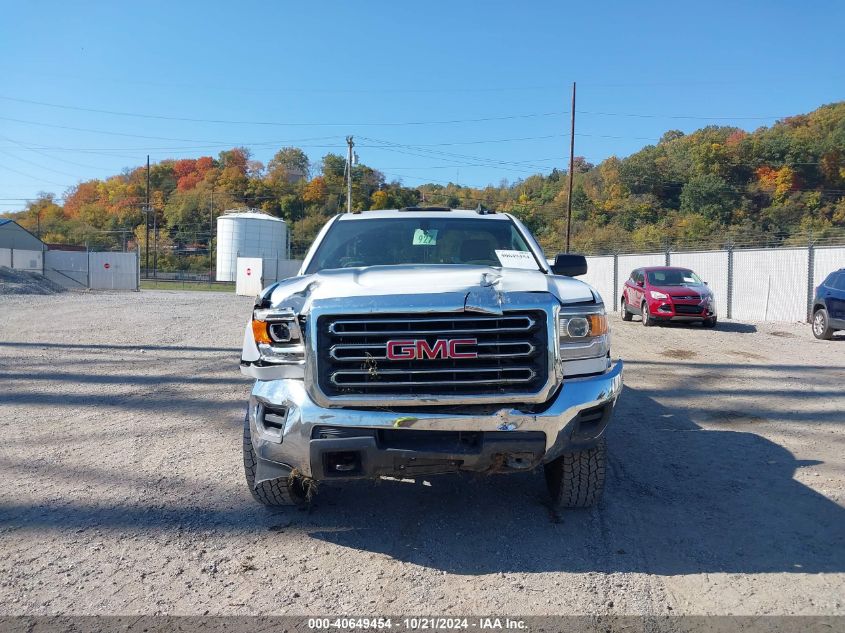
[248, 233]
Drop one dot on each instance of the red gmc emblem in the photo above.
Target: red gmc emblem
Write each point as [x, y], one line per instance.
[420, 348]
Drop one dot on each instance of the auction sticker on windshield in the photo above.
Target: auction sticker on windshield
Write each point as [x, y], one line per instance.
[425, 238]
[517, 259]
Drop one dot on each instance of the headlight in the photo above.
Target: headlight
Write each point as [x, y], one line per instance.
[583, 333]
[280, 332]
[658, 295]
[278, 336]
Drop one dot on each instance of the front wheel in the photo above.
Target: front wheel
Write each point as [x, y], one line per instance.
[288, 491]
[626, 315]
[709, 322]
[821, 325]
[648, 321]
[576, 480]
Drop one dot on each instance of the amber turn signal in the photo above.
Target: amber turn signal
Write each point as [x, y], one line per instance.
[598, 324]
[259, 332]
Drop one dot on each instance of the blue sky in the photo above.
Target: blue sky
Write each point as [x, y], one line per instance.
[473, 92]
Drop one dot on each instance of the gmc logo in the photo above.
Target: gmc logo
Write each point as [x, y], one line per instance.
[419, 348]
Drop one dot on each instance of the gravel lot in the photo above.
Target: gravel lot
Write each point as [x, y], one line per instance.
[122, 486]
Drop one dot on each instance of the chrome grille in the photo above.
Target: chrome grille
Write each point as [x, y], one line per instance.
[512, 354]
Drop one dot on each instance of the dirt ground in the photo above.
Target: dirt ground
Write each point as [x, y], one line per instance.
[123, 493]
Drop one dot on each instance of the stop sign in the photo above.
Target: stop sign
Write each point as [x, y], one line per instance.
[106, 265]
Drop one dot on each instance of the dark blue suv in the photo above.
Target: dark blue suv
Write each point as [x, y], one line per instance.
[829, 306]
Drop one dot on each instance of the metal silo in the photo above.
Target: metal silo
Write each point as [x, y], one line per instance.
[248, 233]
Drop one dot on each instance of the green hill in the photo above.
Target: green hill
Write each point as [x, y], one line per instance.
[777, 184]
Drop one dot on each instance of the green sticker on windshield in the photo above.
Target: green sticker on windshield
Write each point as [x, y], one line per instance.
[425, 238]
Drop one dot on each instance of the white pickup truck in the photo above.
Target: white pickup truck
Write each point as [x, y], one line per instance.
[423, 341]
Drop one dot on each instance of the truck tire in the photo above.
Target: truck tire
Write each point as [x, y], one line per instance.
[821, 325]
[626, 315]
[276, 492]
[576, 480]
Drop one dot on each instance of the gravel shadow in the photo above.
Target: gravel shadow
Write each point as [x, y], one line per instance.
[680, 500]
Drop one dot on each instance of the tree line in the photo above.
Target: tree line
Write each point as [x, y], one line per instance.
[719, 184]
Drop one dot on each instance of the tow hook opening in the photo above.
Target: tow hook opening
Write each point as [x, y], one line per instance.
[520, 461]
[342, 463]
[275, 418]
[271, 421]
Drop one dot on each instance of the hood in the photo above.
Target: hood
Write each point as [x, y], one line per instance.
[471, 285]
[682, 291]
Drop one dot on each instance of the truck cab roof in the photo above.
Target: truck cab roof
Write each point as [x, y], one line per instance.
[424, 212]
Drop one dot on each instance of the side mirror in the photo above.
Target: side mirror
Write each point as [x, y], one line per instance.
[640, 283]
[569, 265]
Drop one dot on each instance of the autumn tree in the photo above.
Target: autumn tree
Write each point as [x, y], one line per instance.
[289, 165]
[711, 185]
[316, 192]
[709, 196]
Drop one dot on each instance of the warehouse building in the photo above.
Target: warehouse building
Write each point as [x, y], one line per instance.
[13, 235]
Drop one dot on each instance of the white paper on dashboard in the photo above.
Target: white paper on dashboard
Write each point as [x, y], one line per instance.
[517, 259]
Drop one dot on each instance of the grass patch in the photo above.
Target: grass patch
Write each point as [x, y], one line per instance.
[178, 284]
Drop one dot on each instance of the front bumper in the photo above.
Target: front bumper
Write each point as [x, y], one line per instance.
[512, 438]
[665, 310]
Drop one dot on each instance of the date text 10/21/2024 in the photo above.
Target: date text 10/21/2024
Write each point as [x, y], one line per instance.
[420, 623]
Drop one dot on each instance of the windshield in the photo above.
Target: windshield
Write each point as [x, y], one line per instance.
[415, 240]
[673, 278]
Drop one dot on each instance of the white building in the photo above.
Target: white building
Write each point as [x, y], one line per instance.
[248, 233]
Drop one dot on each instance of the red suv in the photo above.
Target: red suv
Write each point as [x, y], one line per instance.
[664, 293]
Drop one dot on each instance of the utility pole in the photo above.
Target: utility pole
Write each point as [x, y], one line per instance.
[571, 168]
[349, 174]
[155, 245]
[210, 234]
[147, 221]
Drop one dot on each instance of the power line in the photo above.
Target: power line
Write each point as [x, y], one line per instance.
[297, 143]
[287, 90]
[70, 162]
[498, 140]
[94, 131]
[454, 162]
[168, 148]
[392, 123]
[451, 156]
[287, 142]
[275, 123]
[34, 164]
[157, 138]
[555, 158]
[680, 116]
[38, 150]
[21, 173]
